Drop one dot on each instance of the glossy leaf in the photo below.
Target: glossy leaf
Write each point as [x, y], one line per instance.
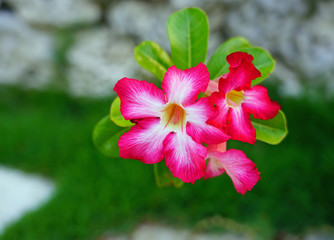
[153, 58]
[116, 116]
[271, 131]
[263, 61]
[218, 65]
[188, 33]
[106, 135]
[164, 177]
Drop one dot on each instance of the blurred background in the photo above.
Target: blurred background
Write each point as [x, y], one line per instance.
[59, 61]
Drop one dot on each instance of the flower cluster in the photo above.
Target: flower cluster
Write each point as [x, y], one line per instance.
[187, 131]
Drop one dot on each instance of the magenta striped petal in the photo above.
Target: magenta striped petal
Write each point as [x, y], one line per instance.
[198, 114]
[212, 87]
[184, 157]
[144, 141]
[238, 167]
[221, 147]
[258, 103]
[206, 133]
[240, 76]
[240, 127]
[222, 110]
[235, 59]
[182, 87]
[214, 168]
[139, 99]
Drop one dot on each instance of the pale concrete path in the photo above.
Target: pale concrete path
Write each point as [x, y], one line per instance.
[157, 231]
[19, 193]
[160, 232]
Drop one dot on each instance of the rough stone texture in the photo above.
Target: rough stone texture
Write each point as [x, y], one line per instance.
[141, 20]
[147, 21]
[300, 42]
[289, 83]
[20, 193]
[26, 53]
[186, 3]
[58, 13]
[319, 235]
[98, 60]
[157, 232]
[299, 39]
[316, 44]
[225, 236]
[114, 238]
[160, 232]
[270, 24]
[204, 4]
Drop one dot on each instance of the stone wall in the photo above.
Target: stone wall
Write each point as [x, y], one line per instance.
[298, 33]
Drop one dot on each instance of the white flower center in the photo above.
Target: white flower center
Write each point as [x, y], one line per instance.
[173, 116]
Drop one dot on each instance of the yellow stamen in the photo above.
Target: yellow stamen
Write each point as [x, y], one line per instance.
[174, 116]
[234, 98]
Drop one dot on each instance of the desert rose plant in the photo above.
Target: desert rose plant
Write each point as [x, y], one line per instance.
[182, 127]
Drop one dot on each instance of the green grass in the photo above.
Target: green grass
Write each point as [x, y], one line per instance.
[50, 134]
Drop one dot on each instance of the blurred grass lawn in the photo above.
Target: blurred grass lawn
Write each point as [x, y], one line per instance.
[50, 134]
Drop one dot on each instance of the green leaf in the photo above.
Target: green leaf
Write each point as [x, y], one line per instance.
[153, 58]
[263, 61]
[163, 177]
[116, 116]
[218, 65]
[271, 131]
[106, 135]
[188, 33]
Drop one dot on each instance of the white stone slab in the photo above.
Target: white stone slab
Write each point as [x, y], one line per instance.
[161, 232]
[20, 193]
[157, 232]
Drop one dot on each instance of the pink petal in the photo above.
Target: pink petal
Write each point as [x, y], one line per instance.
[258, 103]
[206, 133]
[197, 116]
[144, 141]
[222, 110]
[240, 76]
[221, 147]
[212, 87]
[139, 99]
[234, 59]
[239, 168]
[182, 87]
[240, 127]
[214, 168]
[184, 157]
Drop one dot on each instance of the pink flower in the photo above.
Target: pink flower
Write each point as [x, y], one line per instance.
[234, 162]
[170, 123]
[236, 99]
